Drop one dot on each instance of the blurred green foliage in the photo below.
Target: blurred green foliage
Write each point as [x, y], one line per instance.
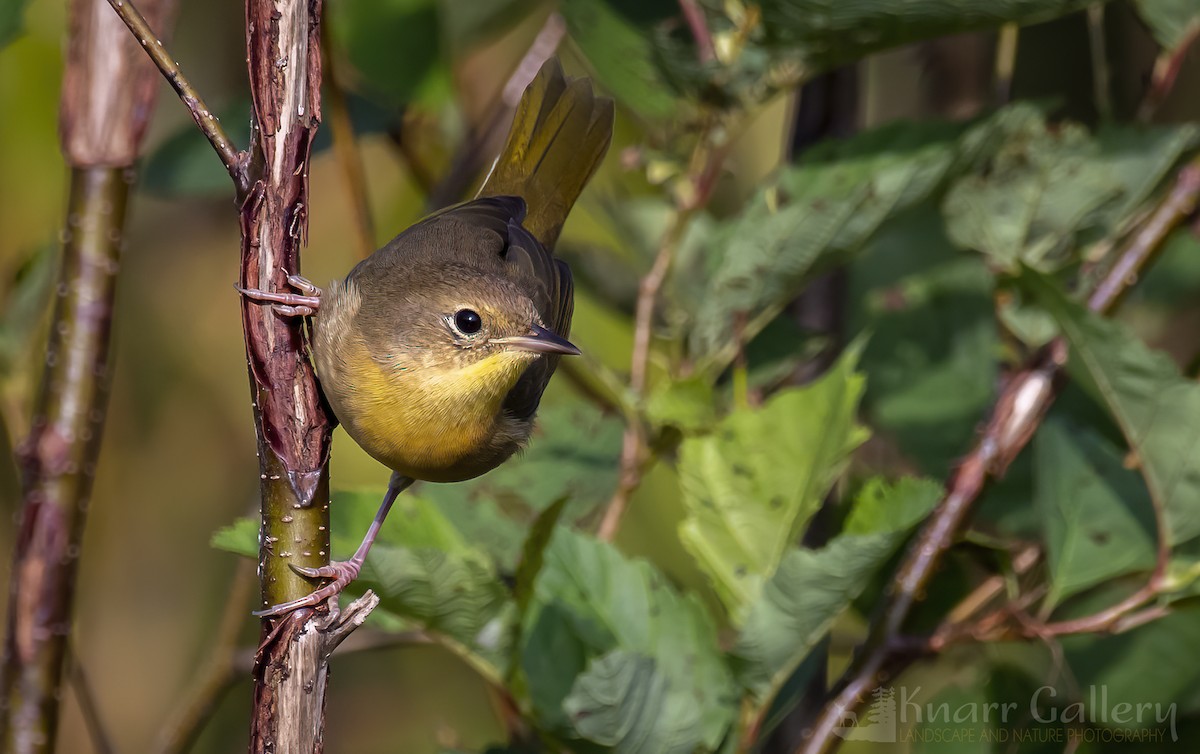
[961, 241]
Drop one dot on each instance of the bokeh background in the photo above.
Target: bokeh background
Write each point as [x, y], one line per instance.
[178, 457]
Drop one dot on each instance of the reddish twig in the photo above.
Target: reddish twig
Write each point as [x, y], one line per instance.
[1166, 72]
[1018, 412]
[693, 14]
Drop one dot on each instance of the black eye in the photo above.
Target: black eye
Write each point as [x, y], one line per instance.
[468, 321]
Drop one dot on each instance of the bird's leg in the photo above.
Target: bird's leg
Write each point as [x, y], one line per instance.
[344, 571]
[289, 304]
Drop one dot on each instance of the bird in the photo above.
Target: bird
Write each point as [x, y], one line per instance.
[434, 351]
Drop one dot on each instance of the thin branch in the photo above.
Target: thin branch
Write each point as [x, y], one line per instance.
[101, 741]
[210, 125]
[107, 99]
[1098, 47]
[1166, 73]
[697, 189]
[184, 725]
[1018, 412]
[694, 15]
[345, 149]
[1006, 62]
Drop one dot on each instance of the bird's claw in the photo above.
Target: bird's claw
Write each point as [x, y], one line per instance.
[288, 304]
[341, 573]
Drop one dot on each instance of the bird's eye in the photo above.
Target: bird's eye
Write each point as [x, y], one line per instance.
[468, 321]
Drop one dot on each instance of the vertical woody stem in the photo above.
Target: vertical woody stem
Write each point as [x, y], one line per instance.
[108, 95]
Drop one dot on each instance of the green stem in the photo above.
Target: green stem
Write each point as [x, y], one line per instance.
[58, 460]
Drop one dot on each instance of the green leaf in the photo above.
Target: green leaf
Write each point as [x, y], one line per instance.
[617, 37]
[394, 44]
[533, 554]
[1052, 188]
[931, 359]
[25, 300]
[821, 210]
[1097, 517]
[421, 568]
[574, 454]
[622, 701]
[750, 487]
[688, 404]
[1172, 22]
[813, 587]
[590, 601]
[11, 13]
[1157, 410]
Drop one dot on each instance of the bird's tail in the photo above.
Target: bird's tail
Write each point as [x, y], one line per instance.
[559, 135]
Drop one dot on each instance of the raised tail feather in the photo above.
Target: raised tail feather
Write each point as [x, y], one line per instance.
[559, 135]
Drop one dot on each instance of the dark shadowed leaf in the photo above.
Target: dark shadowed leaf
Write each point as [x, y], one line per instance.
[932, 355]
[1097, 518]
[1157, 409]
[622, 701]
[812, 587]
[751, 485]
[589, 601]
[394, 44]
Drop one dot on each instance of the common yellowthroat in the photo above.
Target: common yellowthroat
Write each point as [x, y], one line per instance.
[435, 350]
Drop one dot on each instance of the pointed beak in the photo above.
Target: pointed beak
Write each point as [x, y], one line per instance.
[540, 340]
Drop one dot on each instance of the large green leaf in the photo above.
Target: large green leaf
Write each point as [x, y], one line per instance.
[1173, 22]
[1051, 188]
[826, 207]
[1096, 515]
[422, 569]
[932, 353]
[396, 45]
[622, 701]
[618, 38]
[813, 587]
[589, 602]
[751, 486]
[574, 454]
[1157, 409]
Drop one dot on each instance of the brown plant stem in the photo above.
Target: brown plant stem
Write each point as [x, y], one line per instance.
[107, 97]
[1019, 410]
[704, 166]
[88, 709]
[208, 123]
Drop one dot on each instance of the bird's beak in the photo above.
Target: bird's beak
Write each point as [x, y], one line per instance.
[540, 340]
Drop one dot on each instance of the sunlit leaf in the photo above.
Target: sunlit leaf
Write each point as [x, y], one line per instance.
[1051, 188]
[751, 486]
[1096, 515]
[688, 404]
[1157, 409]
[812, 587]
[822, 210]
[589, 601]
[617, 36]
[573, 455]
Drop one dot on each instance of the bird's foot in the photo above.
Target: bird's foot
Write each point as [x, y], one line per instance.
[342, 572]
[289, 304]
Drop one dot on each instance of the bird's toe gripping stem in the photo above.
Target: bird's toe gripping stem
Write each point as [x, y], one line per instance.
[288, 304]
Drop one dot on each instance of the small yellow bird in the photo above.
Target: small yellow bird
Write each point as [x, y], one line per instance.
[435, 350]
